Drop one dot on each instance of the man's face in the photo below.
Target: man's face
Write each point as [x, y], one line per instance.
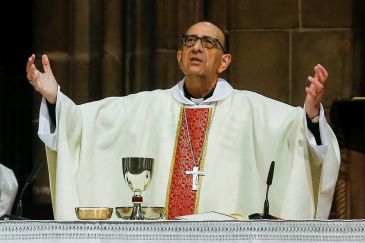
[199, 61]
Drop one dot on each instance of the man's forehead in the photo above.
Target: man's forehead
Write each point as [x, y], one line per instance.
[205, 29]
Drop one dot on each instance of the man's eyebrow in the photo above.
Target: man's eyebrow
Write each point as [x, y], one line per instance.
[203, 35]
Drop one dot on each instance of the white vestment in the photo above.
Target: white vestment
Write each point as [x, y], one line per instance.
[247, 132]
[8, 190]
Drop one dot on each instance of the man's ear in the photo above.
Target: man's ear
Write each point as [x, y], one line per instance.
[178, 56]
[226, 60]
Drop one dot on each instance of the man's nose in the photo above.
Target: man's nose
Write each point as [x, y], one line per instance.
[198, 45]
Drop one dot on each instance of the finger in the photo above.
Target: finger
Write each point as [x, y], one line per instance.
[317, 84]
[323, 70]
[311, 92]
[30, 72]
[316, 90]
[34, 74]
[322, 73]
[315, 72]
[30, 62]
[311, 85]
[311, 79]
[46, 65]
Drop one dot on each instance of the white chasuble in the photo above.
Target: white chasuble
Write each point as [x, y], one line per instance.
[247, 132]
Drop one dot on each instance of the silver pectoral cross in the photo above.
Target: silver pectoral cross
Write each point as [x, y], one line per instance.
[195, 173]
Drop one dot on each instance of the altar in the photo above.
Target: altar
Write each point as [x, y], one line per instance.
[183, 231]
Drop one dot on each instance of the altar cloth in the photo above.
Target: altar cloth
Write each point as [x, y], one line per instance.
[184, 231]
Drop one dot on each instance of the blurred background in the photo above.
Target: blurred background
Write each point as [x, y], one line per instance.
[101, 48]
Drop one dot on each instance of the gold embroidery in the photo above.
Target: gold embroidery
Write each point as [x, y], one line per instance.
[202, 163]
[173, 161]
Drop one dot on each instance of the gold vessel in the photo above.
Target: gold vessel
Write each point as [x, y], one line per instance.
[93, 213]
[150, 213]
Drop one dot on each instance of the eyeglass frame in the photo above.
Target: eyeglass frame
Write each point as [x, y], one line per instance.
[201, 41]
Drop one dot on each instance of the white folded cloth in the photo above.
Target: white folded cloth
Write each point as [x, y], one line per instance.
[8, 190]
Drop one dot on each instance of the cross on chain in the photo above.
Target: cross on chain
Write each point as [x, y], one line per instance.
[195, 173]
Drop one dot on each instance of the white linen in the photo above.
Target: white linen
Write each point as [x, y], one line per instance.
[183, 231]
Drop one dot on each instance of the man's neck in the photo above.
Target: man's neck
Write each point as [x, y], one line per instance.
[190, 97]
[199, 88]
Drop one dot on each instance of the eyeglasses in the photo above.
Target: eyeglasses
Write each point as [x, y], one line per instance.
[206, 41]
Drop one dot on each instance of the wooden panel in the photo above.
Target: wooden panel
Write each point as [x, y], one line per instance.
[356, 164]
[349, 129]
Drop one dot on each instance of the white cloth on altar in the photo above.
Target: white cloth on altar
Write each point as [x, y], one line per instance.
[248, 131]
[8, 190]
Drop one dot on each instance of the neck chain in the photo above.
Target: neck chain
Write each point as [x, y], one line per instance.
[196, 162]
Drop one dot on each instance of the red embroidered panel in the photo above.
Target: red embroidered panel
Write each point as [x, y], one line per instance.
[182, 197]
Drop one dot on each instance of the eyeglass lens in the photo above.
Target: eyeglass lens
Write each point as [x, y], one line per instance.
[206, 41]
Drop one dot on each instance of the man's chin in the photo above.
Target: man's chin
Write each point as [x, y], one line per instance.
[195, 70]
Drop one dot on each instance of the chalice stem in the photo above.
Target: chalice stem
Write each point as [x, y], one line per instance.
[137, 208]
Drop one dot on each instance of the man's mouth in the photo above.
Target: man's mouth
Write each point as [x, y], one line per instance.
[195, 60]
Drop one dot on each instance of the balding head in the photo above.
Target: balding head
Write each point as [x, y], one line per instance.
[202, 57]
[207, 28]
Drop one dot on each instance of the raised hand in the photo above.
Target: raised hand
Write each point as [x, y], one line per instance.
[44, 82]
[315, 91]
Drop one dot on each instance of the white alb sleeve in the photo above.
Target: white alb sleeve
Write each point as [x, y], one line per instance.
[46, 132]
[319, 150]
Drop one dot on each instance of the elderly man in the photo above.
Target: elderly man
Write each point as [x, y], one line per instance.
[212, 144]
